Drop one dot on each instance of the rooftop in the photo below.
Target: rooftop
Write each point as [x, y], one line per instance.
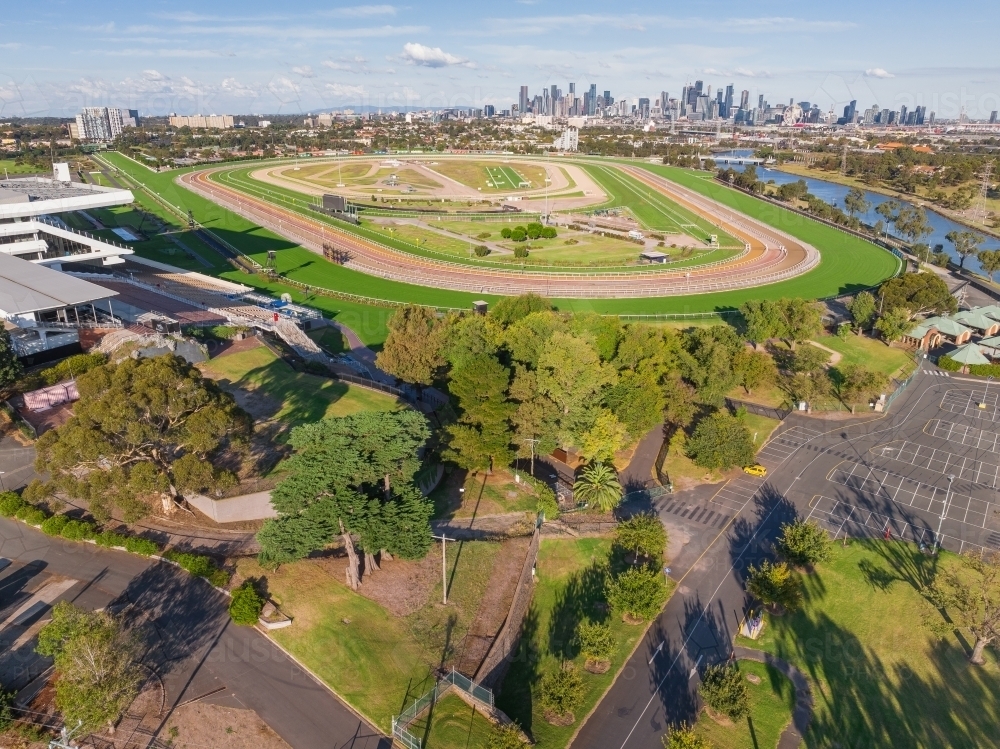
[27, 287]
[34, 196]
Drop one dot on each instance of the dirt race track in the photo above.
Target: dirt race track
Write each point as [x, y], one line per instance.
[770, 255]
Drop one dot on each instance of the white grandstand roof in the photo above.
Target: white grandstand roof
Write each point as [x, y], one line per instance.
[36, 196]
[27, 287]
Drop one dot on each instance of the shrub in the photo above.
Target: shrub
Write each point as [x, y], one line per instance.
[534, 230]
[639, 592]
[547, 503]
[78, 530]
[518, 235]
[774, 585]
[549, 232]
[561, 691]
[597, 642]
[10, 504]
[506, 232]
[54, 525]
[804, 543]
[642, 535]
[484, 235]
[317, 368]
[684, 737]
[985, 370]
[521, 252]
[196, 564]
[73, 366]
[506, 737]
[140, 545]
[246, 605]
[725, 690]
[31, 515]
[481, 250]
[109, 539]
[948, 364]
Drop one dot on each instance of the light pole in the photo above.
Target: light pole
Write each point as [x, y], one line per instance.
[944, 511]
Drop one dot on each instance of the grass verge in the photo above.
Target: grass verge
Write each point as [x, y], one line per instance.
[772, 702]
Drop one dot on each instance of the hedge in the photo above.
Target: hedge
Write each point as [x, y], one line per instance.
[199, 565]
[985, 370]
[54, 525]
[10, 504]
[246, 605]
[948, 364]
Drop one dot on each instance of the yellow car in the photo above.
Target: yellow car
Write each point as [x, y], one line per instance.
[755, 470]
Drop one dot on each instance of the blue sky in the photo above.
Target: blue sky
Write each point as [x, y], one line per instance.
[305, 56]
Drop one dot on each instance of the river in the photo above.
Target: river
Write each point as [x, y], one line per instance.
[834, 194]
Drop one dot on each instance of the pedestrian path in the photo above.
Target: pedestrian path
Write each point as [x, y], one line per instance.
[792, 736]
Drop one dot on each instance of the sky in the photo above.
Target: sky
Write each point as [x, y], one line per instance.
[253, 57]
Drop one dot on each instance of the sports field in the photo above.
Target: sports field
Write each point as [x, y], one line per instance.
[492, 176]
[848, 264]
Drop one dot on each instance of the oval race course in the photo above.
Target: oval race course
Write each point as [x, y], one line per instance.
[771, 255]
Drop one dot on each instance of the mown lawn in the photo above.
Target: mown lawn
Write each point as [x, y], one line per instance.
[300, 398]
[771, 705]
[867, 352]
[452, 724]
[378, 662]
[887, 668]
[569, 588]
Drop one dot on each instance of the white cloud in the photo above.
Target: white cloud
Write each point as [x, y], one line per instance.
[233, 87]
[343, 91]
[878, 73]
[364, 11]
[305, 71]
[747, 73]
[431, 57]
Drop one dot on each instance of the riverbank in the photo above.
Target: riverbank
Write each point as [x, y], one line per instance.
[801, 170]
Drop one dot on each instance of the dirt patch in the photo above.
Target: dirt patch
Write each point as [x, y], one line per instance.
[234, 347]
[200, 725]
[401, 586]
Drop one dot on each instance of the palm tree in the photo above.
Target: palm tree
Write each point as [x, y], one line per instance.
[598, 485]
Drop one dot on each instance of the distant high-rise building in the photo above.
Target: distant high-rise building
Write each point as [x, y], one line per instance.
[930, 120]
[682, 105]
[554, 96]
[644, 108]
[850, 113]
[592, 104]
[522, 101]
[608, 99]
[698, 87]
[744, 100]
[104, 124]
[902, 115]
[572, 89]
[489, 110]
[727, 110]
[993, 117]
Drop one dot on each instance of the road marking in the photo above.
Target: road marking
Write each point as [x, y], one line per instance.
[694, 669]
[655, 653]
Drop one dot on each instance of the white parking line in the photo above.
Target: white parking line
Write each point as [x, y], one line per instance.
[967, 436]
[940, 461]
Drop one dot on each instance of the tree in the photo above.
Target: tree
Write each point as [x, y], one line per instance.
[803, 320]
[774, 585]
[721, 441]
[480, 441]
[96, 662]
[724, 689]
[684, 737]
[560, 692]
[11, 368]
[506, 737]
[352, 474]
[888, 210]
[637, 593]
[413, 348]
[606, 437]
[637, 400]
[989, 261]
[754, 369]
[804, 543]
[598, 485]
[855, 202]
[922, 252]
[965, 242]
[709, 365]
[920, 293]
[597, 641]
[510, 309]
[763, 319]
[810, 360]
[644, 535]
[893, 324]
[970, 592]
[860, 383]
[571, 374]
[912, 223]
[143, 428]
[245, 605]
[863, 310]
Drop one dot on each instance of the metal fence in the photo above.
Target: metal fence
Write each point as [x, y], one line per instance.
[452, 680]
[755, 408]
[899, 389]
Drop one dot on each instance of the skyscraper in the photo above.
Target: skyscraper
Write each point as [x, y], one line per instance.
[727, 110]
[744, 100]
[554, 96]
[592, 103]
[522, 102]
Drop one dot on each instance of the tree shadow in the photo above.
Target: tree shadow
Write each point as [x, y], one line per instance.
[581, 598]
[752, 540]
[515, 694]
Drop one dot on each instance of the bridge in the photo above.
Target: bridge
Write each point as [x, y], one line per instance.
[741, 160]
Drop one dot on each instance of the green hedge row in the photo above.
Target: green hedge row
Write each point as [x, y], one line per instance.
[985, 370]
[13, 505]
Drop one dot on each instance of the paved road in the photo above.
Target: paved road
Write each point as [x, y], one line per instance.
[855, 477]
[190, 641]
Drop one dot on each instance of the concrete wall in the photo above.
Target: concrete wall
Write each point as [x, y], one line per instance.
[255, 506]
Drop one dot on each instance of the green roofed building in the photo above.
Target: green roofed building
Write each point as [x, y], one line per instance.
[977, 320]
[932, 332]
[968, 355]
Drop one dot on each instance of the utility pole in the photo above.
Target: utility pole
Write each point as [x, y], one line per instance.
[979, 212]
[444, 566]
[944, 511]
[532, 442]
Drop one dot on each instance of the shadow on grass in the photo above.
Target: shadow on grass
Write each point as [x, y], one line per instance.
[582, 598]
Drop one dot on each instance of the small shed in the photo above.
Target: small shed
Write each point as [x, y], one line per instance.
[654, 256]
[480, 307]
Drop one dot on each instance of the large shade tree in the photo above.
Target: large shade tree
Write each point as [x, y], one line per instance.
[413, 348]
[351, 476]
[143, 429]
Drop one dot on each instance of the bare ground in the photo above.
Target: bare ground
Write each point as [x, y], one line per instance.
[201, 725]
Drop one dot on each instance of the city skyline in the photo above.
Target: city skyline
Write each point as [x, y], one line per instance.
[250, 58]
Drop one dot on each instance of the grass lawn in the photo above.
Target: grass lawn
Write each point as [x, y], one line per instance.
[378, 662]
[495, 494]
[771, 705]
[885, 666]
[868, 352]
[329, 338]
[491, 176]
[761, 427]
[453, 724]
[424, 238]
[570, 587]
[300, 398]
[12, 167]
